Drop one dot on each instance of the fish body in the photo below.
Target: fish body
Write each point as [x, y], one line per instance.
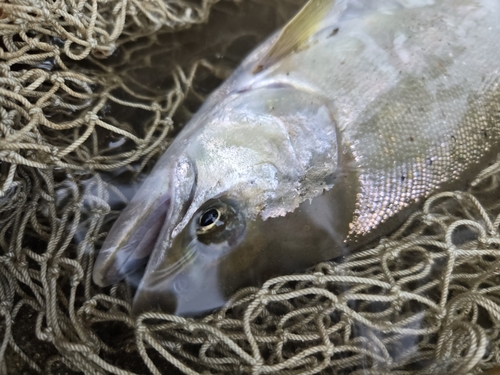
[316, 145]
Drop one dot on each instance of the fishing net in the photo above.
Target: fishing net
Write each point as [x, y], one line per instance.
[91, 93]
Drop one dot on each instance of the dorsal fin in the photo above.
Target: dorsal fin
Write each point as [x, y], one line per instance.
[296, 32]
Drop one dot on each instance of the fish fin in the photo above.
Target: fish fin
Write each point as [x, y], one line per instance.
[296, 32]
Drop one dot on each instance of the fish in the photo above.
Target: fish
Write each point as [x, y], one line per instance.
[325, 138]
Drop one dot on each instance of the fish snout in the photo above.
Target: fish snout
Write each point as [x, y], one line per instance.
[130, 241]
[144, 227]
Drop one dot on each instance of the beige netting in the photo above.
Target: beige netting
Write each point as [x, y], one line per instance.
[90, 94]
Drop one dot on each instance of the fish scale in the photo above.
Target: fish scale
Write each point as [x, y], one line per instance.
[453, 141]
[435, 167]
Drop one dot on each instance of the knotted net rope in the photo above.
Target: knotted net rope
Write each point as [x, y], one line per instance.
[91, 92]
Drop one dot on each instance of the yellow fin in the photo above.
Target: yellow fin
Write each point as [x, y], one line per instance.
[297, 31]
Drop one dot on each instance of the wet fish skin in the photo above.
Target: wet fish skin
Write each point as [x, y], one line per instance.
[317, 153]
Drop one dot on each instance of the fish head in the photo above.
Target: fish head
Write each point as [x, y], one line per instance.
[235, 183]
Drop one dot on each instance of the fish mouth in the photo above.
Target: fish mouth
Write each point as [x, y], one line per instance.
[126, 250]
[143, 230]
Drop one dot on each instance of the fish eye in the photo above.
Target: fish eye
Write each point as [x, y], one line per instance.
[209, 219]
[219, 221]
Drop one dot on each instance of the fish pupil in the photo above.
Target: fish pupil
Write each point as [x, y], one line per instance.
[209, 217]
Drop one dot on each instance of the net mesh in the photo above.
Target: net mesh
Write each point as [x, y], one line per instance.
[91, 92]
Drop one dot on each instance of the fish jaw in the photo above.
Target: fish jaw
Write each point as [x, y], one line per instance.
[184, 279]
[186, 285]
[161, 200]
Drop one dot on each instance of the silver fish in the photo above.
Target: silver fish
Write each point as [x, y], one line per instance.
[325, 138]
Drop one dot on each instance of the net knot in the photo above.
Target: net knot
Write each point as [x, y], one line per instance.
[91, 117]
[54, 271]
[47, 335]
[35, 111]
[57, 78]
[8, 257]
[440, 314]
[53, 151]
[452, 251]
[23, 26]
[75, 279]
[392, 254]
[100, 211]
[142, 329]
[329, 351]
[263, 299]
[47, 14]
[339, 301]
[156, 107]
[92, 42]
[190, 327]
[75, 206]
[32, 43]
[321, 279]
[5, 307]
[22, 263]
[396, 289]
[89, 306]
